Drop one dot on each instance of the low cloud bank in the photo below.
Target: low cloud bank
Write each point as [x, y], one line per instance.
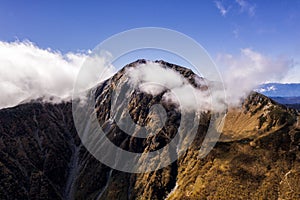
[29, 72]
[153, 78]
[241, 75]
[244, 73]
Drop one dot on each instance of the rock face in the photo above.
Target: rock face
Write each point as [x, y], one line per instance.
[257, 156]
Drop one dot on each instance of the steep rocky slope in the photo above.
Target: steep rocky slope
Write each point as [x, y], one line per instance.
[257, 157]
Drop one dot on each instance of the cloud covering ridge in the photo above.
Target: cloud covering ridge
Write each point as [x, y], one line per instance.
[28, 71]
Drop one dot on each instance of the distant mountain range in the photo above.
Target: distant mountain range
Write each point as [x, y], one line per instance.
[280, 90]
[288, 94]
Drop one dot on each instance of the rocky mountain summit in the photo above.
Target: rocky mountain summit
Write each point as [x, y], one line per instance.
[256, 157]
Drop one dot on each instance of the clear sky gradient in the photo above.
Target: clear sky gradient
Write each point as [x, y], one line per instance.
[268, 26]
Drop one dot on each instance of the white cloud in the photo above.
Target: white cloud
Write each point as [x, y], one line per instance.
[153, 78]
[268, 89]
[243, 73]
[246, 7]
[236, 33]
[28, 71]
[241, 6]
[222, 8]
[293, 75]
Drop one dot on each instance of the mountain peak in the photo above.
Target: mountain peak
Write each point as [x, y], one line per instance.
[42, 157]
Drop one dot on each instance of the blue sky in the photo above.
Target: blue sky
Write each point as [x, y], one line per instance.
[270, 27]
[44, 43]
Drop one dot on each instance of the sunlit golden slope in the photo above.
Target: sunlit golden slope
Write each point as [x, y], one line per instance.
[257, 158]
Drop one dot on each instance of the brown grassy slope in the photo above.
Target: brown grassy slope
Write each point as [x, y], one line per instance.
[255, 159]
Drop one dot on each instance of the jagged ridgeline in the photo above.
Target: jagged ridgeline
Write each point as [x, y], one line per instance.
[257, 156]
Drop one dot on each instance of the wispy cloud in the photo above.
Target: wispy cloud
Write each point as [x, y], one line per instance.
[243, 6]
[222, 8]
[246, 7]
[236, 32]
[268, 89]
[293, 75]
[244, 72]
